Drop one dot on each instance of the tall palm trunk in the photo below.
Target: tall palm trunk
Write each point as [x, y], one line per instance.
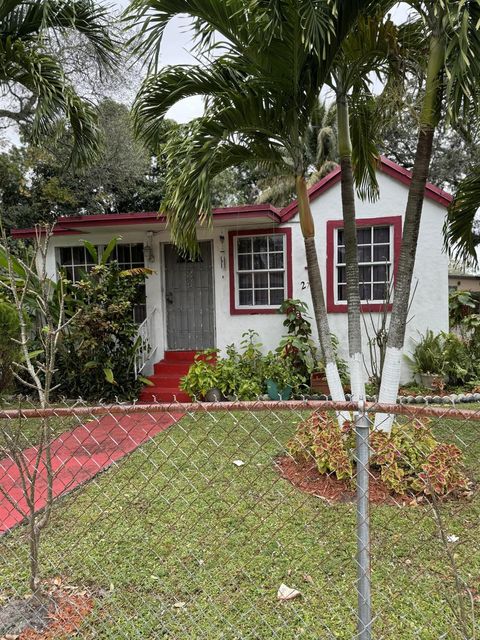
[316, 290]
[396, 334]
[351, 256]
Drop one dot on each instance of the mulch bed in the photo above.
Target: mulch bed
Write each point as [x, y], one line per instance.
[61, 614]
[305, 476]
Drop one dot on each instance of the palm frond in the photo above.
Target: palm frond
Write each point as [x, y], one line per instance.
[461, 237]
[364, 130]
[461, 23]
[27, 21]
[43, 76]
[193, 157]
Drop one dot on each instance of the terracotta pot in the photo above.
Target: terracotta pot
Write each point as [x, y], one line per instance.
[318, 383]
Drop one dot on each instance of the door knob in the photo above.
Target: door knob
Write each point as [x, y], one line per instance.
[169, 297]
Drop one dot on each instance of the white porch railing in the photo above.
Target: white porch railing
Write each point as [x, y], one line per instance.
[146, 337]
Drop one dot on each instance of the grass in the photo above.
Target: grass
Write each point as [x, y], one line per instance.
[178, 522]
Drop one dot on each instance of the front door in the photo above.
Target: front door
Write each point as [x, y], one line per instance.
[189, 299]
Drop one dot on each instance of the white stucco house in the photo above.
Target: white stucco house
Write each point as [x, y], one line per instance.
[253, 258]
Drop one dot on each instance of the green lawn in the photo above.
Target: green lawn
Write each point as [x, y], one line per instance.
[178, 522]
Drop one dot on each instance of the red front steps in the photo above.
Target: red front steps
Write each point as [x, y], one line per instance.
[166, 378]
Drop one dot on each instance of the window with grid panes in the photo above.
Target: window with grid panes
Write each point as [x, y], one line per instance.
[75, 262]
[131, 256]
[260, 265]
[375, 260]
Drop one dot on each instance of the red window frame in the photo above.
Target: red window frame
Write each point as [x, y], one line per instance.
[232, 235]
[332, 226]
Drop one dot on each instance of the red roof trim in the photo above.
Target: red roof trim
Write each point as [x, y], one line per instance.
[115, 219]
[316, 190]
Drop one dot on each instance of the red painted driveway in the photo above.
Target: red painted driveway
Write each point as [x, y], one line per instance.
[77, 456]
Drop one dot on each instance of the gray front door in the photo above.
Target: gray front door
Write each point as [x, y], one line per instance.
[189, 299]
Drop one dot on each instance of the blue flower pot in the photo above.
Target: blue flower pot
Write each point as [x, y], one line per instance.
[274, 393]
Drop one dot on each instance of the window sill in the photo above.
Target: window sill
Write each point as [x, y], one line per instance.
[253, 312]
[372, 307]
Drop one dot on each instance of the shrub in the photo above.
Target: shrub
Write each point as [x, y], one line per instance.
[9, 349]
[409, 459]
[239, 374]
[97, 355]
[428, 356]
[202, 376]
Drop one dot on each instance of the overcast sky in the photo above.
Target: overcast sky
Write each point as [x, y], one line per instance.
[175, 50]
[176, 47]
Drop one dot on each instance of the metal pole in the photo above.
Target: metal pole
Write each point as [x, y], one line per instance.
[362, 454]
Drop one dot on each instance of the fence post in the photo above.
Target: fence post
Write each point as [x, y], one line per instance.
[362, 455]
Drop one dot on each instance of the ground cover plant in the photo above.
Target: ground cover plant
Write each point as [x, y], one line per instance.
[408, 460]
[177, 541]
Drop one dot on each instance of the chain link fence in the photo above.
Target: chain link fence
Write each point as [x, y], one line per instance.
[239, 520]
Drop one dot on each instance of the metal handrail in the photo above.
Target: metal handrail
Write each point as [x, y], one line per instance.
[145, 350]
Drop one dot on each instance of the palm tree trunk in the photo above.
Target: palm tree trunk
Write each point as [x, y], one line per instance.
[351, 256]
[396, 334]
[316, 290]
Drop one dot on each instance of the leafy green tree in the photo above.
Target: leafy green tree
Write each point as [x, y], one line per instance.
[455, 150]
[262, 90]
[28, 31]
[37, 185]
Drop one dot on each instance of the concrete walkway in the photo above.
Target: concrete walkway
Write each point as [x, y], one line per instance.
[78, 456]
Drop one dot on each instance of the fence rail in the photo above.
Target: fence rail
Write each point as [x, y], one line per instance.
[239, 520]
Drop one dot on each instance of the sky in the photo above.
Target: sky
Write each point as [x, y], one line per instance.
[175, 49]
[176, 46]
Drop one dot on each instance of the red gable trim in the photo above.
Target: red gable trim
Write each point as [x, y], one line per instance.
[70, 225]
[316, 190]
[389, 167]
[405, 176]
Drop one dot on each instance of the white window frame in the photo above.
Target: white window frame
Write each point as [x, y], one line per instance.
[283, 270]
[372, 263]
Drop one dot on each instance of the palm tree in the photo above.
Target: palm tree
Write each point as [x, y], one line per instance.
[28, 32]
[373, 47]
[321, 155]
[451, 91]
[261, 91]
[462, 232]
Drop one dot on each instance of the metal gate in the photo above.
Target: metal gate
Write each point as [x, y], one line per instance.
[189, 299]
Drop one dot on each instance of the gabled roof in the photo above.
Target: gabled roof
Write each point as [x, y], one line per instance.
[73, 225]
[389, 167]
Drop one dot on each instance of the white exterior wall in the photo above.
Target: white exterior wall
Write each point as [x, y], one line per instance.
[429, 309]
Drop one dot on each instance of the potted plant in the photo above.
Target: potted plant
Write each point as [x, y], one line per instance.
[318, 377]
[428, 360]
[318, 380]
[202, 379]
[281, 377]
